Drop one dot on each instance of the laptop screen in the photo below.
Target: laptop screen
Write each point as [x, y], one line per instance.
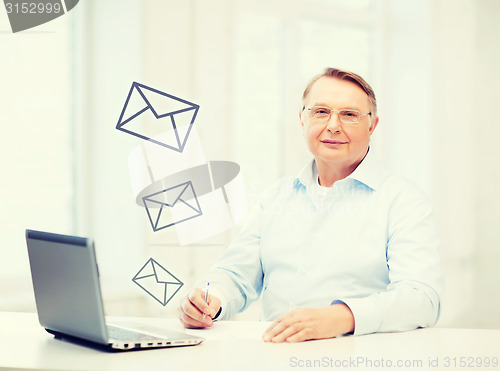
[66, 285]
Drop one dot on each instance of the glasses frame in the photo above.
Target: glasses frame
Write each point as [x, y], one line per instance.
[338, 114]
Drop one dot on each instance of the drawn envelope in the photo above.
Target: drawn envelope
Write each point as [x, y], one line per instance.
[172, 206]
[157, 282]
[148, 112]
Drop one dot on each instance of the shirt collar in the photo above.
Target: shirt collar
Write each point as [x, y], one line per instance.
[368, 172]
[306, 176]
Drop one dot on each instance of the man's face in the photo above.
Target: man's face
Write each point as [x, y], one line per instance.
[334, 142]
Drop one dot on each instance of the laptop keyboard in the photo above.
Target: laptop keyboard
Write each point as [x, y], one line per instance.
[121, 334]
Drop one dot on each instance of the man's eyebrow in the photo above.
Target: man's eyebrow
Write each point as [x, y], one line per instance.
[353, 107]
[320, 105]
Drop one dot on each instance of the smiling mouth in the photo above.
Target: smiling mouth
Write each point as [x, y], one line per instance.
[328, 141]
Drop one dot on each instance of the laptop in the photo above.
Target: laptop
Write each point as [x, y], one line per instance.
[69, 302]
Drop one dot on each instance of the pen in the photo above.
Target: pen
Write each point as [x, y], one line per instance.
[206, 299]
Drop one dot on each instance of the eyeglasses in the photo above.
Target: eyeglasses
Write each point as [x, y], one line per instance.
[346, 116]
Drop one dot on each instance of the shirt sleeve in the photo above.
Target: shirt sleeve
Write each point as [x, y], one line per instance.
[412, 297]
[236, 278]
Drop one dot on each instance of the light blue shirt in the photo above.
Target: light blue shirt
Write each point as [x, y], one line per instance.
[370, 242]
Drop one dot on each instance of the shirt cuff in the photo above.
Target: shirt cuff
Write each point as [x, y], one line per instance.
[367, 315]
[217, 314]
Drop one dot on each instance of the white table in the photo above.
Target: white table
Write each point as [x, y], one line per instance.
[236, 346]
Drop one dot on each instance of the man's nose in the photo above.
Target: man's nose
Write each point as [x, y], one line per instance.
[333, 125]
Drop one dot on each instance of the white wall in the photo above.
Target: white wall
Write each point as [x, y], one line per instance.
[465, 53]
[35, 145]
[486, 131]
[108, 43]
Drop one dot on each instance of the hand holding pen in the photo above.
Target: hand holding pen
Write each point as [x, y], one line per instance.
[198, 308]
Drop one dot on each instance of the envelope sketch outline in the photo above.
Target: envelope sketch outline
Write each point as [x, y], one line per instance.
[143, 104]
[181, 199]
[156, 280]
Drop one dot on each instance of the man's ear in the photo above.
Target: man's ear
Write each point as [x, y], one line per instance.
[300, 118]
[373, 125]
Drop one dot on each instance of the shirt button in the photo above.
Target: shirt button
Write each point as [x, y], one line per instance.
[302, 270]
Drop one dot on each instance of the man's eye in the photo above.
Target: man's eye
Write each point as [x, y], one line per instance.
[321, 111]
[350, 114]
